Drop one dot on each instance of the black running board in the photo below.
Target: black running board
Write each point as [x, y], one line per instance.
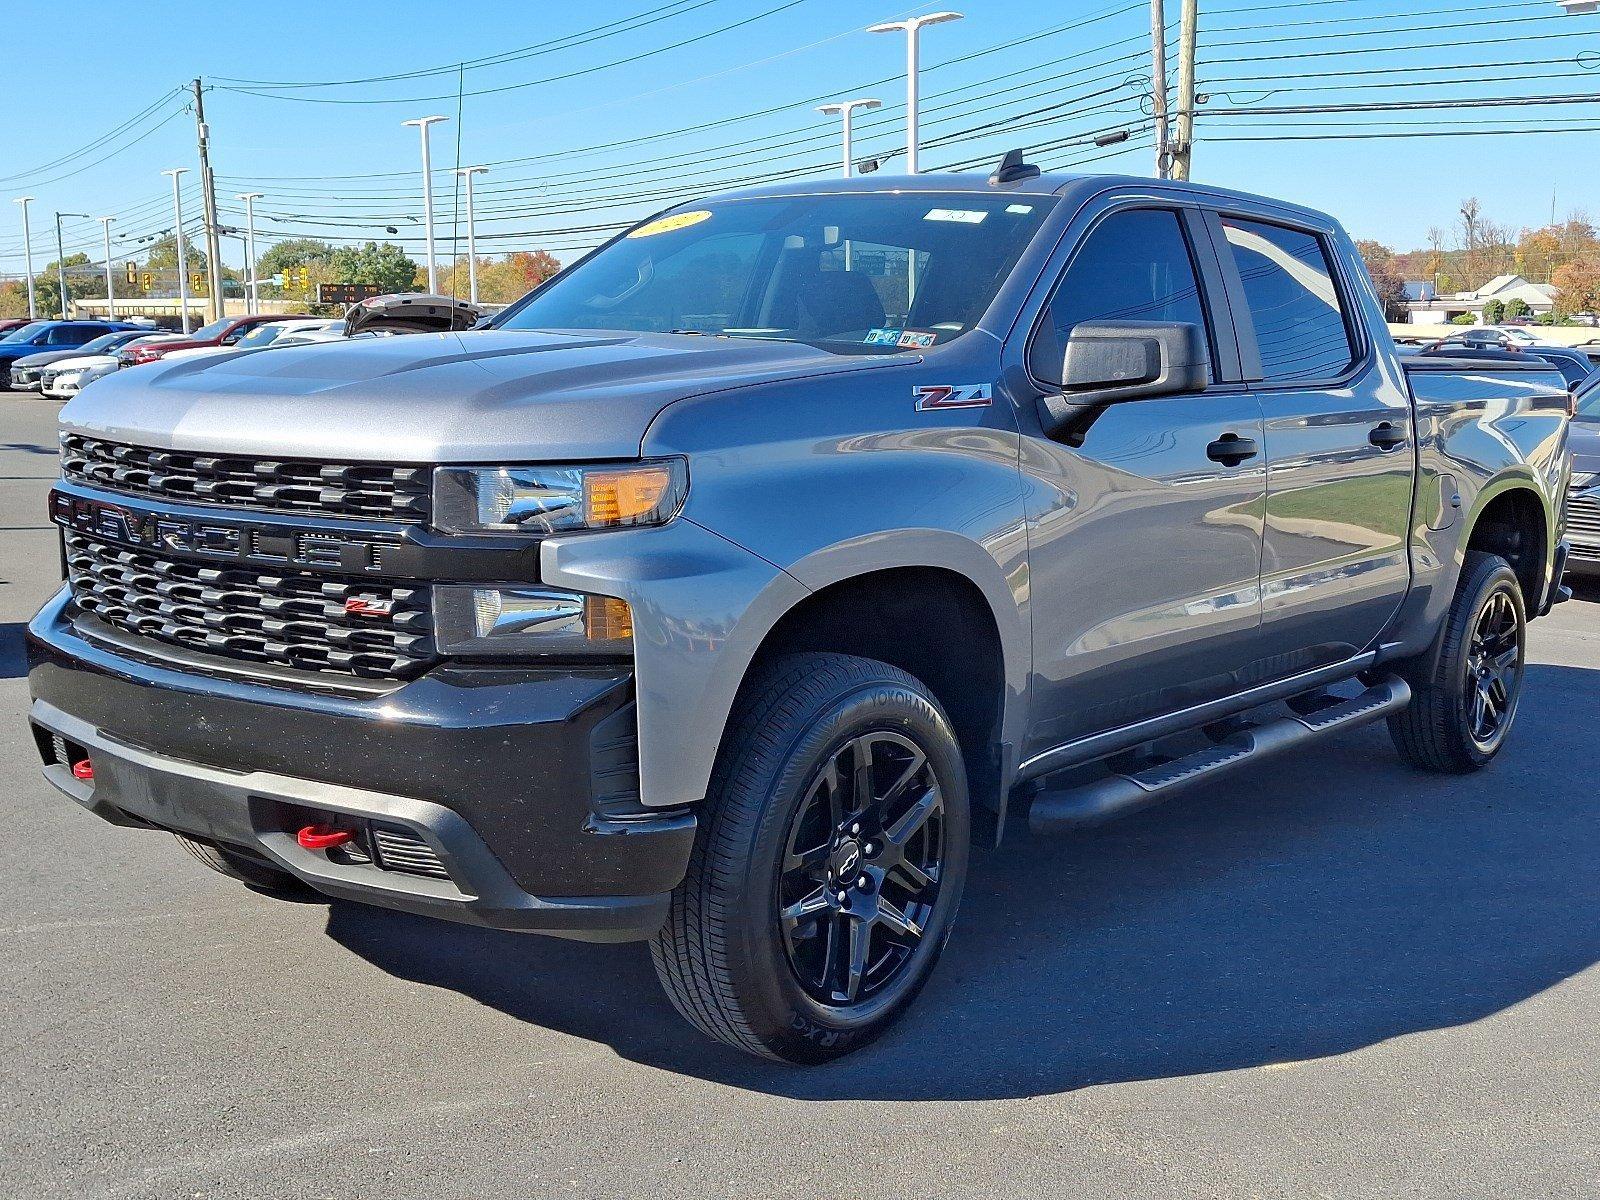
[1126, 792]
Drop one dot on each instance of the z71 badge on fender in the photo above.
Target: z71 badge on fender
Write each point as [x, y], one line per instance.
[933, 397]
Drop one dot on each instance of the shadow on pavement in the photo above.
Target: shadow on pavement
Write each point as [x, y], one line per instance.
[1313, 907]
[13, 658]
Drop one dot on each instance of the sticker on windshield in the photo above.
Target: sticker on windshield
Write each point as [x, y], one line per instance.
[1020, 209]
[883, 337]
[962, 216]
[915, 337]
[936, 397]
[669, 224]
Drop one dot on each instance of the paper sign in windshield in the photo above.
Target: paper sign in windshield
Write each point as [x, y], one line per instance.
[668, 224]
[961, 216]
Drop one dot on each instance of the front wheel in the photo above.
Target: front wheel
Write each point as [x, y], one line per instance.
[1465, 699]
[828, 865]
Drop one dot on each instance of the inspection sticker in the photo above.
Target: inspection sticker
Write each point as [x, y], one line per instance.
[668, 224]
[915, 337]
[882, 337]
[962, 216]
[935, 397]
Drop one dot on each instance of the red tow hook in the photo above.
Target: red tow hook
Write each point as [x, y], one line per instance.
[322, 837]
[83, 770]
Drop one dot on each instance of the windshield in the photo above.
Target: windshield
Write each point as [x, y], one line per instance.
[1589, 399]
[26, 332]
[260, 336]
[106, 341]
[211, 332]
[857, 273]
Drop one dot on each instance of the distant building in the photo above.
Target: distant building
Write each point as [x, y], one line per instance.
[1424, 306]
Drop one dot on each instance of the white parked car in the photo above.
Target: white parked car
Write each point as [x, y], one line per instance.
[266, 334]
[65, 378]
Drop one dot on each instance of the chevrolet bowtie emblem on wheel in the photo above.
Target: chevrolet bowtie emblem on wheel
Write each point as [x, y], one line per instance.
[933, 397]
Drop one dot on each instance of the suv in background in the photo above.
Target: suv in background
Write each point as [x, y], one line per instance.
[37, 336]
[28, 370]
[225, 331]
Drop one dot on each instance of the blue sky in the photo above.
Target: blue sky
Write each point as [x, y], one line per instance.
[350, 170]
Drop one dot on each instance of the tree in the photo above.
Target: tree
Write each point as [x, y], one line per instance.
[1538, 254]
[1518, 307]
[1464, 319]
[1493, 312]
[13, 299]
[1577, 287]
[515, 275]
[1386, 278]
[384, 264]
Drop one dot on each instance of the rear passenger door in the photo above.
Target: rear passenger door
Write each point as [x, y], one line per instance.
[1144, 537]
[1339, 442]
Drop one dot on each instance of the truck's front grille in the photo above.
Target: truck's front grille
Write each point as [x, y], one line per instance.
[293, 619]
[1583, 525]
[281, 484]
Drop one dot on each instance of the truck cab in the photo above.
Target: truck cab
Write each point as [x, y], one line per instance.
[723, 589]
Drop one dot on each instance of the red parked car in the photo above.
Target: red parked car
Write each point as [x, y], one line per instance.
[222, 332]
[7, 324]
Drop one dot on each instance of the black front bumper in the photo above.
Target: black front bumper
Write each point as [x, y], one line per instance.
[520, 783]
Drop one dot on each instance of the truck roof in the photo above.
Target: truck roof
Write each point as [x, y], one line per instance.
[1069, 185]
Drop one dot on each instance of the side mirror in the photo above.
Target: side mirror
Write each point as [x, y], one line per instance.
[1108, 362]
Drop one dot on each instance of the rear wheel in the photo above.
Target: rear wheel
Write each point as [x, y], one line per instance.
[253, 873]
[1465, 699]
[828, 866]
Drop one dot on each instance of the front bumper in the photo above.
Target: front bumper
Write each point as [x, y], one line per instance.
[516, 787]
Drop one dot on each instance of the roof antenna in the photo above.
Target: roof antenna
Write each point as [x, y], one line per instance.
[1012, 168]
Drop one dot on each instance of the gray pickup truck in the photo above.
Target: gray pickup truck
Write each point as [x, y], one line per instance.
[725, 588]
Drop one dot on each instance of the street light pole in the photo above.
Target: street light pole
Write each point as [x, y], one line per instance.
[111, 295]
[27, 256]
[183, 258]
[251, 284]
[846, 109]
[61, 265]
[422, 124]
[913, 30]
[472, 246]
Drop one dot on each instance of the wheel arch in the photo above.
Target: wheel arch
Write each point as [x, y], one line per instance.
[1511, 517]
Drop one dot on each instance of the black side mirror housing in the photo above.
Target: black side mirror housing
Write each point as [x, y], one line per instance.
[1109, 362]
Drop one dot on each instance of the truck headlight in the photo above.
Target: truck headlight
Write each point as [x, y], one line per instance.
[495, 622]
[564, 499]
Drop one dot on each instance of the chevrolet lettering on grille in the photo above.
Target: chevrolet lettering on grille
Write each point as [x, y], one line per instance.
[229, 541]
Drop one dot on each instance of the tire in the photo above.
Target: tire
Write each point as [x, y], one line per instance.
[254, 874]
[758, 950]
[1440, 729]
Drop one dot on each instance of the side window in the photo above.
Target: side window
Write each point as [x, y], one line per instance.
[66, 335]
[1293, 301]
[1135, 266]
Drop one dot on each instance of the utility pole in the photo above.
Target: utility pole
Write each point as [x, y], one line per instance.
[1158, 83]
[422, 124]
[61, 269]
[111, 295]
[913, 31]
[251, 283]
[27, 256]
[472, 246]
[183, 257]
[208, 199]
[1183, 144]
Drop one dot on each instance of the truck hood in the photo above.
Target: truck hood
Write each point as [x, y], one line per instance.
[476, 396]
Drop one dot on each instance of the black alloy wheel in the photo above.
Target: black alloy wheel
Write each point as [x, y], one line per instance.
[861, 868]
[1494, 670]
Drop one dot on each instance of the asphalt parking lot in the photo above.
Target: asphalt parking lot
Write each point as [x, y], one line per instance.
[1337, 979]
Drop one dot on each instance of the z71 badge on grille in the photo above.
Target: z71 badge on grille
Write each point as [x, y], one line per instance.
[933, 397]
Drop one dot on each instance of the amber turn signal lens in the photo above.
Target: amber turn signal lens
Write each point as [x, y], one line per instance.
[623, 496]
[607, 619]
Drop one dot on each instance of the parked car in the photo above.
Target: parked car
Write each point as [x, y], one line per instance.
[7, 324]
[224, 332]
[1583, 497]
[258, 337]
[26, 371]
[1574, 365]
[66, 377]
[715, 590]
[37, 336]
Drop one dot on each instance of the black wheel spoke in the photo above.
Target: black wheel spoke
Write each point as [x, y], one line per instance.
[806, 907]
[860, 940]
[916, 878]
[913, 819]
[861, 784]
[896, 920]
[810, 862]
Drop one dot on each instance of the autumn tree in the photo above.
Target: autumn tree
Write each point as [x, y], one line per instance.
[1386, 278]
[1577, 286]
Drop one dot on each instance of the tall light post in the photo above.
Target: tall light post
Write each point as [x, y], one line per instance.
[846, 110]
[183, 257]
[27, 255]
[61, 266]
[913, 30]
[111, 295]
[472, 246]
[422, 124]
[251, 284]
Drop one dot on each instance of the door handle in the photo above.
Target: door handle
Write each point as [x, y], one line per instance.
[1232, 449]
[1387, 436]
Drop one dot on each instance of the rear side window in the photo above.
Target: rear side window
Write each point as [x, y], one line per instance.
[1294, 303]
[1134, 266]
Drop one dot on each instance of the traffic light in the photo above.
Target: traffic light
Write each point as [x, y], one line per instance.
[133, 274]
[305, 279]
[149, 281]
[195, 281]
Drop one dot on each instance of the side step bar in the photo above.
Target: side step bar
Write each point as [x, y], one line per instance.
[1126, 792]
